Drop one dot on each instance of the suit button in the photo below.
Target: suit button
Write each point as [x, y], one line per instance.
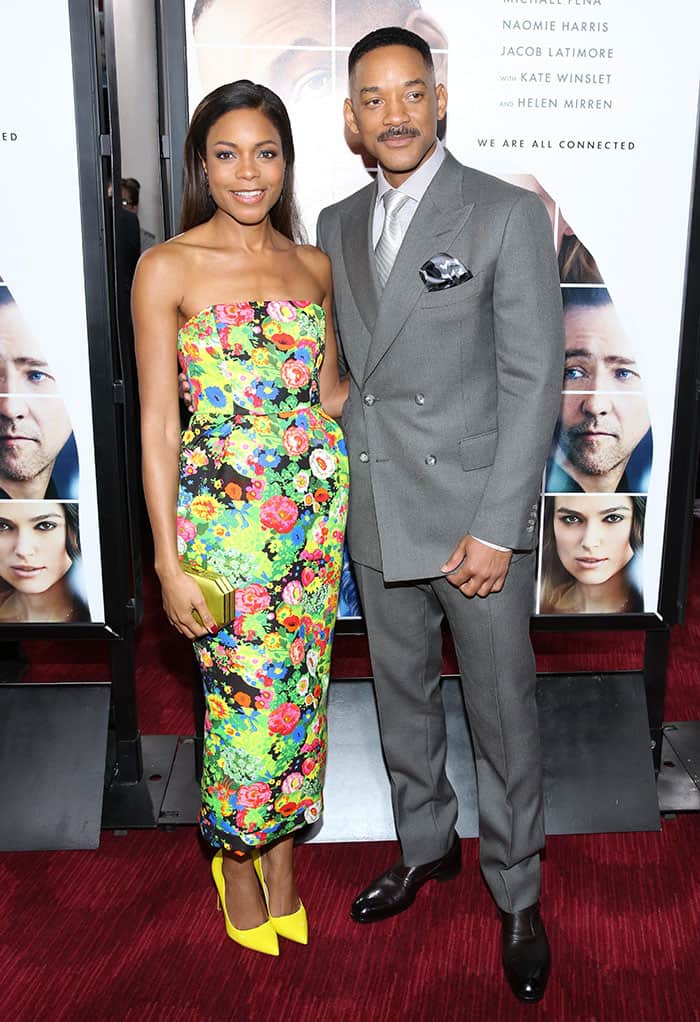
[419, 399]
[530, 528]
[369, 399]
[431, 460]
[364, 456]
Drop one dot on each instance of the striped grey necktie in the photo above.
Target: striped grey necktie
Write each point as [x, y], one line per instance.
[391, 237]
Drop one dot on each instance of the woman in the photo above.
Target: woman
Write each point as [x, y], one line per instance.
[591, 554]
[39, 561]
[262, 489]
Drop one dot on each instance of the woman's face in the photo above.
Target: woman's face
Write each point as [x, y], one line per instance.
[592, 535]
[244, 165]
[33, 553]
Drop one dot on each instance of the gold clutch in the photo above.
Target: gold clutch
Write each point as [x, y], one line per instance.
[218, 590]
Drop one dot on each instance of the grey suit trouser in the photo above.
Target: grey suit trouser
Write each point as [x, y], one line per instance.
[497, 667]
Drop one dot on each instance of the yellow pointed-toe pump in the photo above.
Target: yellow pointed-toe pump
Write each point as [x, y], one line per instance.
[294, 926]
[261, 938]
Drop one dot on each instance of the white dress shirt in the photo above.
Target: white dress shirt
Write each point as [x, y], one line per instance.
[415, 187]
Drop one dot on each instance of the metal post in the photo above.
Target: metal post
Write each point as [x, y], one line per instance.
[656, 645]
[129, 760]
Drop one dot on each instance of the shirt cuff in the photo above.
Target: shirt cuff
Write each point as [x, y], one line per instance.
[494, 546]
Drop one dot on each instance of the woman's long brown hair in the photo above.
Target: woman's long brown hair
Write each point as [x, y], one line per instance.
[197, 204]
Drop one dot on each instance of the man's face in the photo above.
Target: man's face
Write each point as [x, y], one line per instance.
[598, 354]
[604, 413]
[34, 422]
[291, 47]
[394, 108]
[23, 367]
[237, 40]
[32, 432]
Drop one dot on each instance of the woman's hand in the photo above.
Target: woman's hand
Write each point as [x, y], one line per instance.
[182, 596]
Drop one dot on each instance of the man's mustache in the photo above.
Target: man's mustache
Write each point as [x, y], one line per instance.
[398, 133]
[592, 425]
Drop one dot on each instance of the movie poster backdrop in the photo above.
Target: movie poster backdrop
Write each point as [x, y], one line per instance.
[593, 105]
[50, 569]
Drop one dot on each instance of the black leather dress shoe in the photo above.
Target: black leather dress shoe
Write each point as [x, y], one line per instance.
[396, 889]
[526, 956]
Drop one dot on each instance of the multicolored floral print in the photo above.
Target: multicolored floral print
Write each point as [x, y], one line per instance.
[263, 499]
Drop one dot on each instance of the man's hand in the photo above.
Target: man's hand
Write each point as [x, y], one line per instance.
[183, 389]
[476, 569]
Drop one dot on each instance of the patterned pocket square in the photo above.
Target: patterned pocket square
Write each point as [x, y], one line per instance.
[442, 271]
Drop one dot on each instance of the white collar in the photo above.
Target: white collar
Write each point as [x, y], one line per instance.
[417, 184]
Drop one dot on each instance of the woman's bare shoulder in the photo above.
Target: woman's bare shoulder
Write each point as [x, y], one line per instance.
[163, 258]
[167, 265]
[317, 264]
[314, 258]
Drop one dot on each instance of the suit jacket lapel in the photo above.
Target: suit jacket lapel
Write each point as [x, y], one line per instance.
[440, 216]
[358, 257]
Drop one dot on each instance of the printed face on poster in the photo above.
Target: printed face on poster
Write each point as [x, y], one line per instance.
[565, 100]
[49, 540]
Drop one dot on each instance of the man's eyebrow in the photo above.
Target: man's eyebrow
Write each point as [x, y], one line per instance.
[608, 359]
[27, 360]
[406, 85]
[281, 67]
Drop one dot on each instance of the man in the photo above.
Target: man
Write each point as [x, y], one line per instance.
[130, 189]
[603, 442]
[38, 458]
[449, 316]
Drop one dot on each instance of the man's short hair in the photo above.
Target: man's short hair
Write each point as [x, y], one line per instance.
[392, 36]
[132, 187]
[585, 298]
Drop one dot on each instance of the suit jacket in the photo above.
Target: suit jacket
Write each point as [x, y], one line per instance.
[454, 394]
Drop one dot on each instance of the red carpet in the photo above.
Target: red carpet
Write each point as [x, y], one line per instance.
[131, 933]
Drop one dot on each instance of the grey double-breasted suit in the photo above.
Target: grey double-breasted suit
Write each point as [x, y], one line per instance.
[453, 399]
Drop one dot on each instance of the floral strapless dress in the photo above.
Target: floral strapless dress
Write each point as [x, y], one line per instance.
[263, 499]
